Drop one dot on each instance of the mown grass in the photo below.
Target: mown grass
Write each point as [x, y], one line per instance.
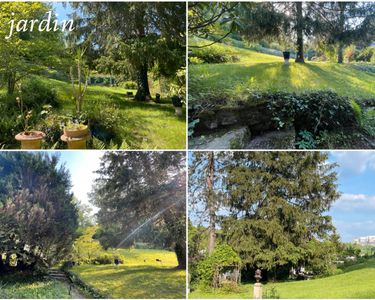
[260, 71]
[357, 281]
[141, 276]
[146, 126]
[17, 287]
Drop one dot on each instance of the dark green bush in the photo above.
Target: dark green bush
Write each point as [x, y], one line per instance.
[36, 94]
[211, 55]
[311, 111]
[176, 101]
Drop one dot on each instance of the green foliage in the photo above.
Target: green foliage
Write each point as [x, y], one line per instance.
[271, 293]
[312, 111]
[222, 257]
[26, 286]
[306, 140]
[212, 55]
[36, 94]
[280, 196]
[366, 55]
[26, 52]
[33, 188]
[130, 85]
[177, 101]
[123, 173]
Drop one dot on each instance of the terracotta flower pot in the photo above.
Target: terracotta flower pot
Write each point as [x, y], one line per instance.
[30, 139]
[80, 131]
[76, 137]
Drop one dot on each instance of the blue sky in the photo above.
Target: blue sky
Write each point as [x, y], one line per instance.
[61, 10]
[354, 213]
[82, 166]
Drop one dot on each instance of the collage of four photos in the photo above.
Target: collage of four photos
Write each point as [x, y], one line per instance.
[187, 150]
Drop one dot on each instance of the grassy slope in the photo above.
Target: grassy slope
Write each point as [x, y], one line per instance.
[139, 277]
[33, 289]
[357, 281]
[267, 72]
[147, 126]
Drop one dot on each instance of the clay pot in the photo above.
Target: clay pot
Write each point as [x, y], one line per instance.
[30, 139]
[83, 130]
[76, 137]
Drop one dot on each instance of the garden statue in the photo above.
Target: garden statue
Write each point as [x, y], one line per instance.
[258, 285]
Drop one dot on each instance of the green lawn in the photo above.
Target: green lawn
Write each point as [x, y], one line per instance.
[141, 276]
[357, 281]
[143, 125]
[260, 71]
[32, 288]
[146, 125]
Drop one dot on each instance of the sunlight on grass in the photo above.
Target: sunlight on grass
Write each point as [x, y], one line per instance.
[147, 126]
[141, 276]
[269, 73]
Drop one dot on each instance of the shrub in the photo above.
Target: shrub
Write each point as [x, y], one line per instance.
[105, 122]
[130, 85]
[222, 256]
[311, 111]
[367, 55]
[36, 94]
[212, 55]
[176, 101]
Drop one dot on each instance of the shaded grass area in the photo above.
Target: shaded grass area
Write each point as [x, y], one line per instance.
[141, 276]
[260, 71]
[357, 281]
[146, 125]
[28, 287]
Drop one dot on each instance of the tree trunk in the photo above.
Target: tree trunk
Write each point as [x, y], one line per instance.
[143, 92]
[180, 250]
[340, 48]
[11, 78]
[211, 203]
[299, 27]
[340, 53]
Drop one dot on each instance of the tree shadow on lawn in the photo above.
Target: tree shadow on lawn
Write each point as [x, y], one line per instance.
[338, 77]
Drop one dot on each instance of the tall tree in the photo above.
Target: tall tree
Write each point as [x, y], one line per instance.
[205, 176]
[340, 24]
[278, 203]
[135, 189]
[26, 52]
[38, 217]
[144, 36]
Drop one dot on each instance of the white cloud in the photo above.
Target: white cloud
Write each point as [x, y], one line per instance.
[355, 201]
[355, 161]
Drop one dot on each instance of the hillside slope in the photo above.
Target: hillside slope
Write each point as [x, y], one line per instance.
[261, 71]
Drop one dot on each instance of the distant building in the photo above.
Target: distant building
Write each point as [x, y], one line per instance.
[365, 240]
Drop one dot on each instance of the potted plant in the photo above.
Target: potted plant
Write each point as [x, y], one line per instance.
[177, 103]
[30, 139]
[76, 135]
